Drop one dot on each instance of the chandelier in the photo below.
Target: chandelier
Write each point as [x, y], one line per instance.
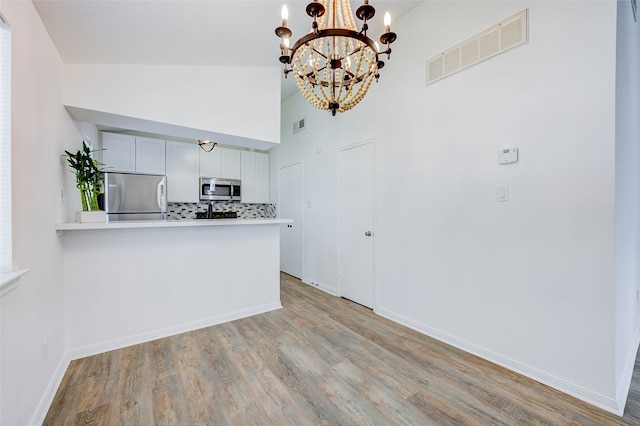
[334, 64]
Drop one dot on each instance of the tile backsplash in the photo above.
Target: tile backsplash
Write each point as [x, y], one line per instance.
[187, 211]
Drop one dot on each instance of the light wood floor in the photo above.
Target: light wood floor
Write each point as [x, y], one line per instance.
[319, 360]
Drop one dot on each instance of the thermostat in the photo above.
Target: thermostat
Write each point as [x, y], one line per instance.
[507, 155]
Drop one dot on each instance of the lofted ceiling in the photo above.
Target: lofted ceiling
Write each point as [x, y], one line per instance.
[184, 32]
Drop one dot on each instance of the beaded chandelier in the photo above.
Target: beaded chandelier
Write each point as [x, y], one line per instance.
[334, 64]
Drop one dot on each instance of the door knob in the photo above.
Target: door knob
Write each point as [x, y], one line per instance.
[368, 233]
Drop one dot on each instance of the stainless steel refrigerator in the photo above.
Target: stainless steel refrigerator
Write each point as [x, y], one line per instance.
[129, 196]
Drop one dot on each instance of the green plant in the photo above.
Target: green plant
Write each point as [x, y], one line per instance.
[88, 178]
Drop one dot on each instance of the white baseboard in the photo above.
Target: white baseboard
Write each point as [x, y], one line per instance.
[81, 352]
[332, 291]
[624, 382]
[99, 348]
[50, 391]
[589, 396]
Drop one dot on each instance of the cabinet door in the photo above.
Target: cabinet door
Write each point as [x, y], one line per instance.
[255, 177]
[119, 152]
[182, 172]
[150, 156]
[210, 163]
[248, 176]
[262, 178]
[230, 163]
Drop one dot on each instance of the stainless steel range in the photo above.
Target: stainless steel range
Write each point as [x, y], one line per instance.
[216, 215]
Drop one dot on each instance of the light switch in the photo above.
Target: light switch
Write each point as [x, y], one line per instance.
[502, 193]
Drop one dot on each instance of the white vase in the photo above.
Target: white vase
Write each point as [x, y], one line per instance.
[95, 216]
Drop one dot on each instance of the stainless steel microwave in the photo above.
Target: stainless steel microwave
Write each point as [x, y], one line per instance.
[220, 189]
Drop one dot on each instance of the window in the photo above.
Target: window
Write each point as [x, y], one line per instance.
[8, 277]
[5, 146]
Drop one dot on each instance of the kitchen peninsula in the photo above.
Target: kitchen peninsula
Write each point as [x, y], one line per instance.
[135, 281]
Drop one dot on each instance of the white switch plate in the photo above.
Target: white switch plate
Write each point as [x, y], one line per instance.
[502, 193]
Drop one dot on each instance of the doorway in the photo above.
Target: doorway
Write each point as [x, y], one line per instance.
[356, 236]
[290, 202]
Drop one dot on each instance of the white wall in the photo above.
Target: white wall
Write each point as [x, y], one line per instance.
[627, 194]
[236, 101]
[529, 283]
[127, 286]
[41, 130]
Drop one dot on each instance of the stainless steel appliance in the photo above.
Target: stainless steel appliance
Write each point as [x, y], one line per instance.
[210, 214]
[219, 189]
[129, 196]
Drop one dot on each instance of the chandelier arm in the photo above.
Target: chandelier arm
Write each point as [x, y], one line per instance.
[332, 32]
[318, 51]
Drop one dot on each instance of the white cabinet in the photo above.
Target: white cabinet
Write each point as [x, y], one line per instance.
[248, 176]
[133, 154]
[183, 172]
[222, 162]
[150, 155]
[230, 163]
[262, 178]
[210, 163]
[255, 177]
[118, 152]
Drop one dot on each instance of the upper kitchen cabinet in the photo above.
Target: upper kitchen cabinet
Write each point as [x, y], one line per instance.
[210, 163]
[183, 172]
[255, 177]
[230, 163]
[118, 152]
[150, 156]
[133, 154]
[221, 162]
[262, 178]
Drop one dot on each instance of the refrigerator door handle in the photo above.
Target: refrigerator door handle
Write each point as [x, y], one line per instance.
[162, 197]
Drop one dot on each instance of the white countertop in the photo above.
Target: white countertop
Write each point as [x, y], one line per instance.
[75, 226]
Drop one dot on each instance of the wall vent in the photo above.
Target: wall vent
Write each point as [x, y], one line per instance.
[298, 125]
[506, 35]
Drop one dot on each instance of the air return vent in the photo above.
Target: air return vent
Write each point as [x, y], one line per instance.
[504, 36]
[298, 125]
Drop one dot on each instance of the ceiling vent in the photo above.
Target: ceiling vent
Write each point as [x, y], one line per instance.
[506, 35]
[298, 125]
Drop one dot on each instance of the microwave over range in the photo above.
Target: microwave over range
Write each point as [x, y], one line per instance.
[219, 189]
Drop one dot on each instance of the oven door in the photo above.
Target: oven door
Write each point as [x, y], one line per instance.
[236, 194]
[215, 189]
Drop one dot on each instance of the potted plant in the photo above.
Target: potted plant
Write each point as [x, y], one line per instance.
[88, 181]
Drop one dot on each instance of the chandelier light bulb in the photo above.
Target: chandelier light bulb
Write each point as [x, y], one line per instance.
[387, 21]
[285, 15]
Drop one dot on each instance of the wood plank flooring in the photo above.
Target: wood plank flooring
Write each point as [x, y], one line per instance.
[319, 360]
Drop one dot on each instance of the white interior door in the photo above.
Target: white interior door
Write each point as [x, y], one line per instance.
[355, 223]
[290, 194]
